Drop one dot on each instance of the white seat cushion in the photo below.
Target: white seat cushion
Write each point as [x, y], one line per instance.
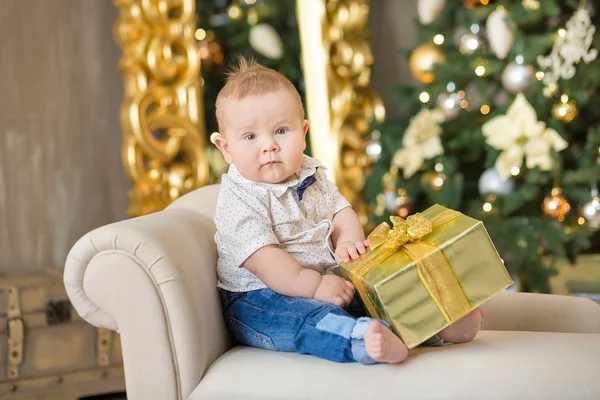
[496, 365]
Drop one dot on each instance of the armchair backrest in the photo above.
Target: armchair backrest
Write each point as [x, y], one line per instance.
[202, 201]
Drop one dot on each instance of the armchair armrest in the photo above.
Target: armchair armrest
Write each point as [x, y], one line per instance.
[153, 279]
[510, 311]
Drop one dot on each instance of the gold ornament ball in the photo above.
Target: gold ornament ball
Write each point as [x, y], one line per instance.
[565, 111]
[422, 59]
[556, 205]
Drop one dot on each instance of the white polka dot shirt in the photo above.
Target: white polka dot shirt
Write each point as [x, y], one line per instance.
[251, 215]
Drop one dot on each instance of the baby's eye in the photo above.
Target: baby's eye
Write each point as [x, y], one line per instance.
[281, 131]
[250, 136]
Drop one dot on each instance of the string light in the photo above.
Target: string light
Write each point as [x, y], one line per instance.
[234, 12]
[424, 97]
[250, 2]
[213, 136]
[581, 221]
[540, 75]
[438, 39]
[487, 207]
[515, 171]
[480, 70]
[200, 34]
[485, 109]
[438, 181]
[562, 32]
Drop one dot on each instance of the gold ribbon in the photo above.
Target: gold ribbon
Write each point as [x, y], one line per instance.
[433, 268]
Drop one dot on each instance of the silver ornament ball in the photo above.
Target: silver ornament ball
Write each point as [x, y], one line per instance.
[591, 213]
[449, 103]
[490, 182]
[517, 77]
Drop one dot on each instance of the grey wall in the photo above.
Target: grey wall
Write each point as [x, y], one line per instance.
[60, 140]
[392, 26]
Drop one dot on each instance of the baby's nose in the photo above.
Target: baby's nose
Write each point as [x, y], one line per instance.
[270, 145]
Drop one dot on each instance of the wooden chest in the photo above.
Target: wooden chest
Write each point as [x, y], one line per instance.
[46, 350]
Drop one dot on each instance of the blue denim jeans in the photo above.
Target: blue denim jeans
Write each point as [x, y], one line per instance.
[266, 319]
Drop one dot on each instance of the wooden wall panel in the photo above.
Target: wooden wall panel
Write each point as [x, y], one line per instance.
[60, 140]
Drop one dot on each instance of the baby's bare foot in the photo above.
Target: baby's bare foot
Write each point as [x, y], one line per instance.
[465, 329]
[382, 345]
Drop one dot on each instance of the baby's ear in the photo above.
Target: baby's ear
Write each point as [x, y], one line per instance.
[305, 126]
[222, 145]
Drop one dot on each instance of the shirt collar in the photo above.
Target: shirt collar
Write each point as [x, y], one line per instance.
[307, 168]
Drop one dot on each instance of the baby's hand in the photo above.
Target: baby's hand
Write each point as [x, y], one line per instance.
[350, 249]
[335, 290]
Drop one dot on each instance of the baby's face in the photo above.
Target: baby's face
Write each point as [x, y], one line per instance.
[263, 136]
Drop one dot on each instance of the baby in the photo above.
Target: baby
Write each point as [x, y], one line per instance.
[277, 219]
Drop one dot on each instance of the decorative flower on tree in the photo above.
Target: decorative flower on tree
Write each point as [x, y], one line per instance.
[520, 136]
[421, 141]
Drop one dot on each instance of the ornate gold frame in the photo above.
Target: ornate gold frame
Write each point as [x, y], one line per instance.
[161, 114]
[337, 63]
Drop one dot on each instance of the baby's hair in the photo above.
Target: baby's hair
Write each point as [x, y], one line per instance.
[247, 77]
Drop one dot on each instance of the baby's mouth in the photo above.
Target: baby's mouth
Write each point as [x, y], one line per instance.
[271, 163]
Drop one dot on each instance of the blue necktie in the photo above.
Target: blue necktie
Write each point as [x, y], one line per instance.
[305, 183]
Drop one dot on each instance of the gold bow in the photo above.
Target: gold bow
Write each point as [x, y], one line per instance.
[433, 268]
[413, 229]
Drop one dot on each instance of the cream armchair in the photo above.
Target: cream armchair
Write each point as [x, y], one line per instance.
[153, 279]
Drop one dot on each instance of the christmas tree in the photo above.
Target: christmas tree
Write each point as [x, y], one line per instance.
[265, 30]
[504, 126]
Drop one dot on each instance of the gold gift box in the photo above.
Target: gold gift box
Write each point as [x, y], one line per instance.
[444, 271]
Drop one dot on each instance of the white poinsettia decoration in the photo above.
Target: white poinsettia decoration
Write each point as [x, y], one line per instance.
[570, 48]
[421, 141]
[520, 136]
